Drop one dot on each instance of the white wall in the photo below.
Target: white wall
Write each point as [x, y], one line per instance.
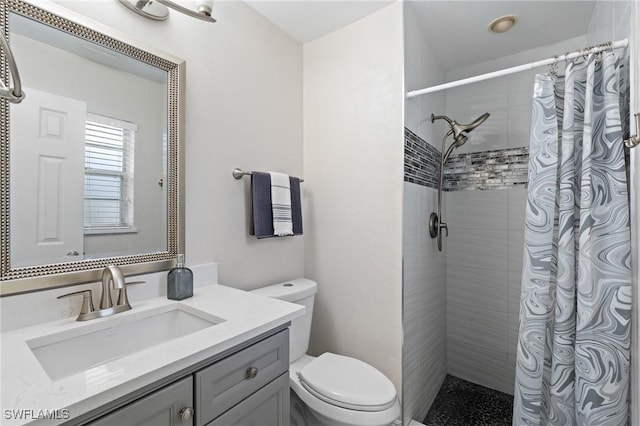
[353, 182]
[610, 21]
[422, 70]
[243, 109]
[424, 357]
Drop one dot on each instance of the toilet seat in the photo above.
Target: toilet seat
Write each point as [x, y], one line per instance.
[332, 414]
[347, 383]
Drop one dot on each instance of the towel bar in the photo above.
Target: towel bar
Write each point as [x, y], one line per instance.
[239, 174]
[12, 94]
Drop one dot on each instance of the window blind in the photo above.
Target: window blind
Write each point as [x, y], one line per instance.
[108, 189]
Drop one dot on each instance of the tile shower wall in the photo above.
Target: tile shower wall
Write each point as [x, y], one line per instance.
[485, 205]
[484, 262]
[424, 305]
[476, 171]
[485, 214]
[424, 364]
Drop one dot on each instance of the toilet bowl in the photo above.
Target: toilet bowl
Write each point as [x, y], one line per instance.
[370, 405]
[330, 389]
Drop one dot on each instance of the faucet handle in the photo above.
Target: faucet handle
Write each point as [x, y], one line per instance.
[87, 302]
[445, 227]
[123, 299]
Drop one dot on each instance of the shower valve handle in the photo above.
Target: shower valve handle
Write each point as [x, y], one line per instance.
[445, 227]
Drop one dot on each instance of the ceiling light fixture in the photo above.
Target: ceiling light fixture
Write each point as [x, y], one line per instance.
[157, 9]
[502, 24]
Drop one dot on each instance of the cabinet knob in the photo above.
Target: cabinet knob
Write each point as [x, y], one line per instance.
[252, 372]
[186, 414]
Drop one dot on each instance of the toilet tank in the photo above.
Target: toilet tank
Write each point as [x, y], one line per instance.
[300, 291]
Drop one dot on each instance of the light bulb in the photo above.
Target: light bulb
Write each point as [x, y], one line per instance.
[502, 24]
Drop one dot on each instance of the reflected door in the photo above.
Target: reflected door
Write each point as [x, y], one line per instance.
[47, 179]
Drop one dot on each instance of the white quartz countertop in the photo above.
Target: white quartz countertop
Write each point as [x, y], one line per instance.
[28, 391]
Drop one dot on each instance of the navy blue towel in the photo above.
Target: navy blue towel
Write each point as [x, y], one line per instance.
[261, 210]
[296, 205]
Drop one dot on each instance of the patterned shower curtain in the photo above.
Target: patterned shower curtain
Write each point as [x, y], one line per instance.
[574, 344]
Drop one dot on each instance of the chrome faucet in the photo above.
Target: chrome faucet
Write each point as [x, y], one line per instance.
[113, 275]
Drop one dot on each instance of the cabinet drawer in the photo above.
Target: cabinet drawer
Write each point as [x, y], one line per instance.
[221, 386]
[267, 407]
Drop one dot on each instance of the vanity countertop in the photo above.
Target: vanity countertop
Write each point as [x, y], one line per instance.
[27, 387]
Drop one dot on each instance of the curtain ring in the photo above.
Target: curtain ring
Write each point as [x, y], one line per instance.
[553, 67]
[566, 57]
[603, 48]
[599, 57]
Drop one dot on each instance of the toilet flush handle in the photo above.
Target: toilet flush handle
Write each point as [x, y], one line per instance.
[252, 372]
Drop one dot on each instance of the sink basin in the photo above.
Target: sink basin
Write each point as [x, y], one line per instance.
[80, 349]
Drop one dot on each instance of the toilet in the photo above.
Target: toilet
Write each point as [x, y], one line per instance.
[330, 389]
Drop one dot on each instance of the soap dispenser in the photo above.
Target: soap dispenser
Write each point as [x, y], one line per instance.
[180, 281]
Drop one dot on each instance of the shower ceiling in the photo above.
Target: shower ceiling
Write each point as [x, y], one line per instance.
[461, 26]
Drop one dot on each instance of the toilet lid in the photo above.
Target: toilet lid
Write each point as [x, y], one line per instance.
[348, 383]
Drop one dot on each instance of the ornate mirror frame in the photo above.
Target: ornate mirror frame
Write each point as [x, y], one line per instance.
[41, 277]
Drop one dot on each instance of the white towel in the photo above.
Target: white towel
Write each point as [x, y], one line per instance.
[281, 204]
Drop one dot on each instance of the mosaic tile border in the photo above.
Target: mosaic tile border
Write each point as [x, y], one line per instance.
[476, 171]
[421, 161]
[486, 170]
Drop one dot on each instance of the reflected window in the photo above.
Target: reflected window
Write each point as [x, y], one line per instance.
[108, 175]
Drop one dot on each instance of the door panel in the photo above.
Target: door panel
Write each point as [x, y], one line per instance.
[47, 179]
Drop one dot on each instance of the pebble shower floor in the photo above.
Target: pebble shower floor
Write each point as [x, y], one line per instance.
[462, 403]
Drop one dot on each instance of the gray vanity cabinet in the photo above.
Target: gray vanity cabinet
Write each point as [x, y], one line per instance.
[221, 386]
[268, 406]
[162, 408]
[246, 386]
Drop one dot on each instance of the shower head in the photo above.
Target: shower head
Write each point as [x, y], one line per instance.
[457, 143]
[457, 129]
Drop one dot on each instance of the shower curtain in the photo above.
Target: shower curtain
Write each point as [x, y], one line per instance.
[573, 357]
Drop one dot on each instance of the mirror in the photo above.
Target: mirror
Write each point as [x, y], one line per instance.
[93, 153]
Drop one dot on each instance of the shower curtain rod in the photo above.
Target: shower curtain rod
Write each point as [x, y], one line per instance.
[600, 48]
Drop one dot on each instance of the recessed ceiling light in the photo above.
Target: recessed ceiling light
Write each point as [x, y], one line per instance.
[502, 24]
